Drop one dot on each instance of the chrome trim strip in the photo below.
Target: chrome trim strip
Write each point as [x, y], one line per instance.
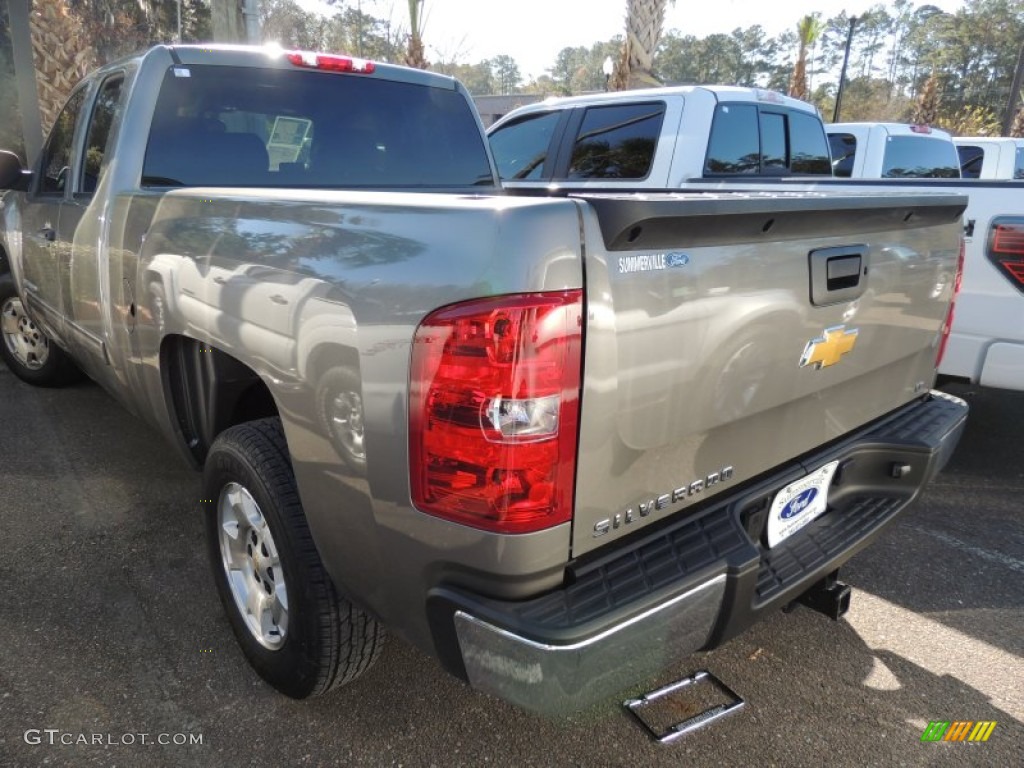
[598, 637]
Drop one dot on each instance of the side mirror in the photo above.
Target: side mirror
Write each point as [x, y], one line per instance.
[12, 174]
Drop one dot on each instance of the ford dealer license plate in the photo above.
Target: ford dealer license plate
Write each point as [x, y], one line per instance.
[799, 503]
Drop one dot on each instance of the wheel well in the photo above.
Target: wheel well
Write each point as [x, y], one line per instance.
[209, 391]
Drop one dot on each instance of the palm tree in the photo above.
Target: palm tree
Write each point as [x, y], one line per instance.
[808, 30]
[926, 110]
[61, 55]
[1017, 129]
[415, 55]
[644, 22]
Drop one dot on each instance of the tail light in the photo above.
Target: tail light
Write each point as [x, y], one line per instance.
[947, 326]
[1006, 248]
[494, 408]
[330, 63]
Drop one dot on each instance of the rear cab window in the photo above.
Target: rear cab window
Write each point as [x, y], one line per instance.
[920, 157]
[751, 139]
[245, 126]
[1018, 166]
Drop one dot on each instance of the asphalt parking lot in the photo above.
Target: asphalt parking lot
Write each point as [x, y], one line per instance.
[110, 628]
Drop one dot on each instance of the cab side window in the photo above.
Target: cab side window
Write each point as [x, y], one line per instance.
[104, 114]
[735, 146]
[56, 158]
[808, 152]
[844, 151]
[617, 142]
[520, 148]
[769, 141]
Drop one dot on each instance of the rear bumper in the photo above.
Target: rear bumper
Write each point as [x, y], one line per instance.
[694, 583]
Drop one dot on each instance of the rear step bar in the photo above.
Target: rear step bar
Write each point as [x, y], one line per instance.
[829, 596]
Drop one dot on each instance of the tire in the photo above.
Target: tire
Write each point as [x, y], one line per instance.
[340, 406]
[26, 350]
[309, 639]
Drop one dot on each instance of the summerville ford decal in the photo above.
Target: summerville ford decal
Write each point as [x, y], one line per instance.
[652, 262]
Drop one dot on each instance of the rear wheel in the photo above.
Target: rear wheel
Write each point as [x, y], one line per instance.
[297, 632]
[25, 348]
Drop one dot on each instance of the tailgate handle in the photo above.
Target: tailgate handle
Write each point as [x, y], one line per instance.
[842, 272]
[838, 274]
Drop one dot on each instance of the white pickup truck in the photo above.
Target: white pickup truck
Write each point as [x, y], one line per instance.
[990, 157]
[752, 140]
[891, 151]
[986, 345]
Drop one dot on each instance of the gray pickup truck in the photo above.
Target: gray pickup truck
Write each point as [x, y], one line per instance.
[556, 443]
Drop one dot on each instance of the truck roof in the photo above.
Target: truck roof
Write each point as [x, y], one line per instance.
[274, 56]
[720, 92]
[893, 129]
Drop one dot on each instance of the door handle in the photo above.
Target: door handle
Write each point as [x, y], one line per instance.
[49, 234]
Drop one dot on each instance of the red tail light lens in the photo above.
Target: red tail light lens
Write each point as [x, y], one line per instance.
[331, 63]
[1006, 248]
[947, 326]
[494, 408]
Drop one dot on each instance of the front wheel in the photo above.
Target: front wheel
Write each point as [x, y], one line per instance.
[297, 632]
[26, 350]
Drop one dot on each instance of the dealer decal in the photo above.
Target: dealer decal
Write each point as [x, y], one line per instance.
[652, 262]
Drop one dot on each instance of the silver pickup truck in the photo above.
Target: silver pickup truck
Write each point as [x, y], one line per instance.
[556, 443]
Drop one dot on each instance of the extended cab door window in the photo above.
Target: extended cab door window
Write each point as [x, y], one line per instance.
[521, 148]
[844, 151]
[616, 142]
[734, 146]
[104, 114]
[971, 159]
[55, 163]
[808, 153]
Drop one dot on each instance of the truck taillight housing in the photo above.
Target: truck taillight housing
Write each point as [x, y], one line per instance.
[1006, 248]
[494, 409]
[947, 326]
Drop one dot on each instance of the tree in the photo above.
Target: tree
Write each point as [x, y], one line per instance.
[644, 22]
[506, 74]
[973, 121]
[807, 32]
[415, 55]
[1017, 129]
[61, 53]
[926, 110]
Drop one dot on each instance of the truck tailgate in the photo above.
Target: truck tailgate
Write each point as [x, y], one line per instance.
[730, 334]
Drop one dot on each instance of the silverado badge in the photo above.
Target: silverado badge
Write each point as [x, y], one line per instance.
[828, 348]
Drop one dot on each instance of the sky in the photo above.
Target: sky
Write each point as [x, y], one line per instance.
[533, 31]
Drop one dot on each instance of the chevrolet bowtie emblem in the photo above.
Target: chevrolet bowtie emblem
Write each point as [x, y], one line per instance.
[828, 348]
